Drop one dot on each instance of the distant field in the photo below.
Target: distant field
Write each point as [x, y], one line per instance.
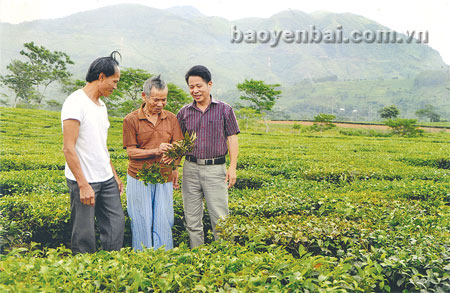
[428, 127]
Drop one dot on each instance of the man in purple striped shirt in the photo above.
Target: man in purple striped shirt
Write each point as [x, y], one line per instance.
[204, 171]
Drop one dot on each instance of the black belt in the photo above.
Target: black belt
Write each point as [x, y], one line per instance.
[215, 161]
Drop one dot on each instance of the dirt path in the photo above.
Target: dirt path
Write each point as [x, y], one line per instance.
[358, 126]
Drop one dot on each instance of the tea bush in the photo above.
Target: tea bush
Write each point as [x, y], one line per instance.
[335, 211]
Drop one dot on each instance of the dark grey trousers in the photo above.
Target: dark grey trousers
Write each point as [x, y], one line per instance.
[108, 211]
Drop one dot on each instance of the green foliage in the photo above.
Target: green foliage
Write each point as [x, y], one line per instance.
[158, 172]
[70, 85]
[429, 111]
[323, 122]
[29, 80]
[404, 127]
[247, 116]
[153, 174]
[296, 126]
[358, 82]
[221, 266]
[128, 95]
[176, 98]
[131, 83]
[26, 181]
[262, 96]
[310, 212]
[181, 147]
[304, 101]
[389, 112]
[324, 118]
[363, 132]
[19, 81]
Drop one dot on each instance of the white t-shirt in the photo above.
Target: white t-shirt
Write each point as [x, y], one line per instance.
[91, 143]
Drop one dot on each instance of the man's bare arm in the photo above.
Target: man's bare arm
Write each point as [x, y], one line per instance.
[71, 128]
[233, 148]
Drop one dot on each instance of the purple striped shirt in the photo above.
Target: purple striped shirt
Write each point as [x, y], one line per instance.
[212, 128]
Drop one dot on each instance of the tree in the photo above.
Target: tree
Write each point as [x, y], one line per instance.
[247, 116]
[323, 122]
[389, 112]
[19, 81]
[30, 79]
[261, 96]
[404, 127]
[128, 95]
[70, 85]
[429, 111]
[176, 98]
[131, 83]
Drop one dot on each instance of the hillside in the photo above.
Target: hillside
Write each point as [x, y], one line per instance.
[170, 41]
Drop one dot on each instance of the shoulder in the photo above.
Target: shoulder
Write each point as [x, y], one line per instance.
[74, 106]
[133, 116]
[170, 116]
[75, 97]
[184, 109]
[223, 106]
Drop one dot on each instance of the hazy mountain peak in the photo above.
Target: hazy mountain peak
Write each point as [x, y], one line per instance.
[185, 11]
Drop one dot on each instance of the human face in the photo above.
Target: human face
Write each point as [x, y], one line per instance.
[108, 84]
[156, 101]
[199, 89]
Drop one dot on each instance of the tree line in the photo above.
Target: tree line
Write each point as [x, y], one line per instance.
[30, 79]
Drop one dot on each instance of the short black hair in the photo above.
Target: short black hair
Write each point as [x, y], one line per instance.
[199, 70]
[107, 65]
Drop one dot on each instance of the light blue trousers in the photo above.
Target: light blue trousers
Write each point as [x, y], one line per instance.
[151, 211]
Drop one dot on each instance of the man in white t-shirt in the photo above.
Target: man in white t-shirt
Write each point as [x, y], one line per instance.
[94, 186]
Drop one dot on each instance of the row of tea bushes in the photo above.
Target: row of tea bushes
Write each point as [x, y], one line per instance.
[373, 211]
[218, 267]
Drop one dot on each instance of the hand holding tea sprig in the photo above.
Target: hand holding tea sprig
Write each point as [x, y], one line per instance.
[163, 148]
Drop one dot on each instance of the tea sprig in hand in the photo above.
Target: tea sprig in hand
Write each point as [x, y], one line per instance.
[152, 174]
[181, 147]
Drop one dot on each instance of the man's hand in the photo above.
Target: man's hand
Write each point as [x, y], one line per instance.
[164, 147]
[175, 179]
[166, 160]
[119, 184]
[87, 195]
[231, 177]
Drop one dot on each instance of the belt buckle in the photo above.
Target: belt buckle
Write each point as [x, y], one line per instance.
[201, 161]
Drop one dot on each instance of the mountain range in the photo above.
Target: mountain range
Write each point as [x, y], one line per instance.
[170, 41]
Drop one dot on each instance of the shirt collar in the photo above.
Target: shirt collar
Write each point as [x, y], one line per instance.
[141, 114]
[194, 103]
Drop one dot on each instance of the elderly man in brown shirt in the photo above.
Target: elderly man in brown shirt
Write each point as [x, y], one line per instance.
[147, 134]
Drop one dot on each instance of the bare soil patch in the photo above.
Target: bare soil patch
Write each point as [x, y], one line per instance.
[358, 126]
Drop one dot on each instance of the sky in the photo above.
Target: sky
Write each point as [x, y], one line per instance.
[400, 15]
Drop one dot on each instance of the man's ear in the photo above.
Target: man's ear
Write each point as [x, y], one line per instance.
[101, 76]
[144, 97]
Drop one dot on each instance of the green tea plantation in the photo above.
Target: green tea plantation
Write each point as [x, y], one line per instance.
[331, 211]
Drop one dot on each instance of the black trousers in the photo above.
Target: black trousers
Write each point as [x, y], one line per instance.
[108, 211]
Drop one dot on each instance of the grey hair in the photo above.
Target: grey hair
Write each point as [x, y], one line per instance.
[154, 82]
